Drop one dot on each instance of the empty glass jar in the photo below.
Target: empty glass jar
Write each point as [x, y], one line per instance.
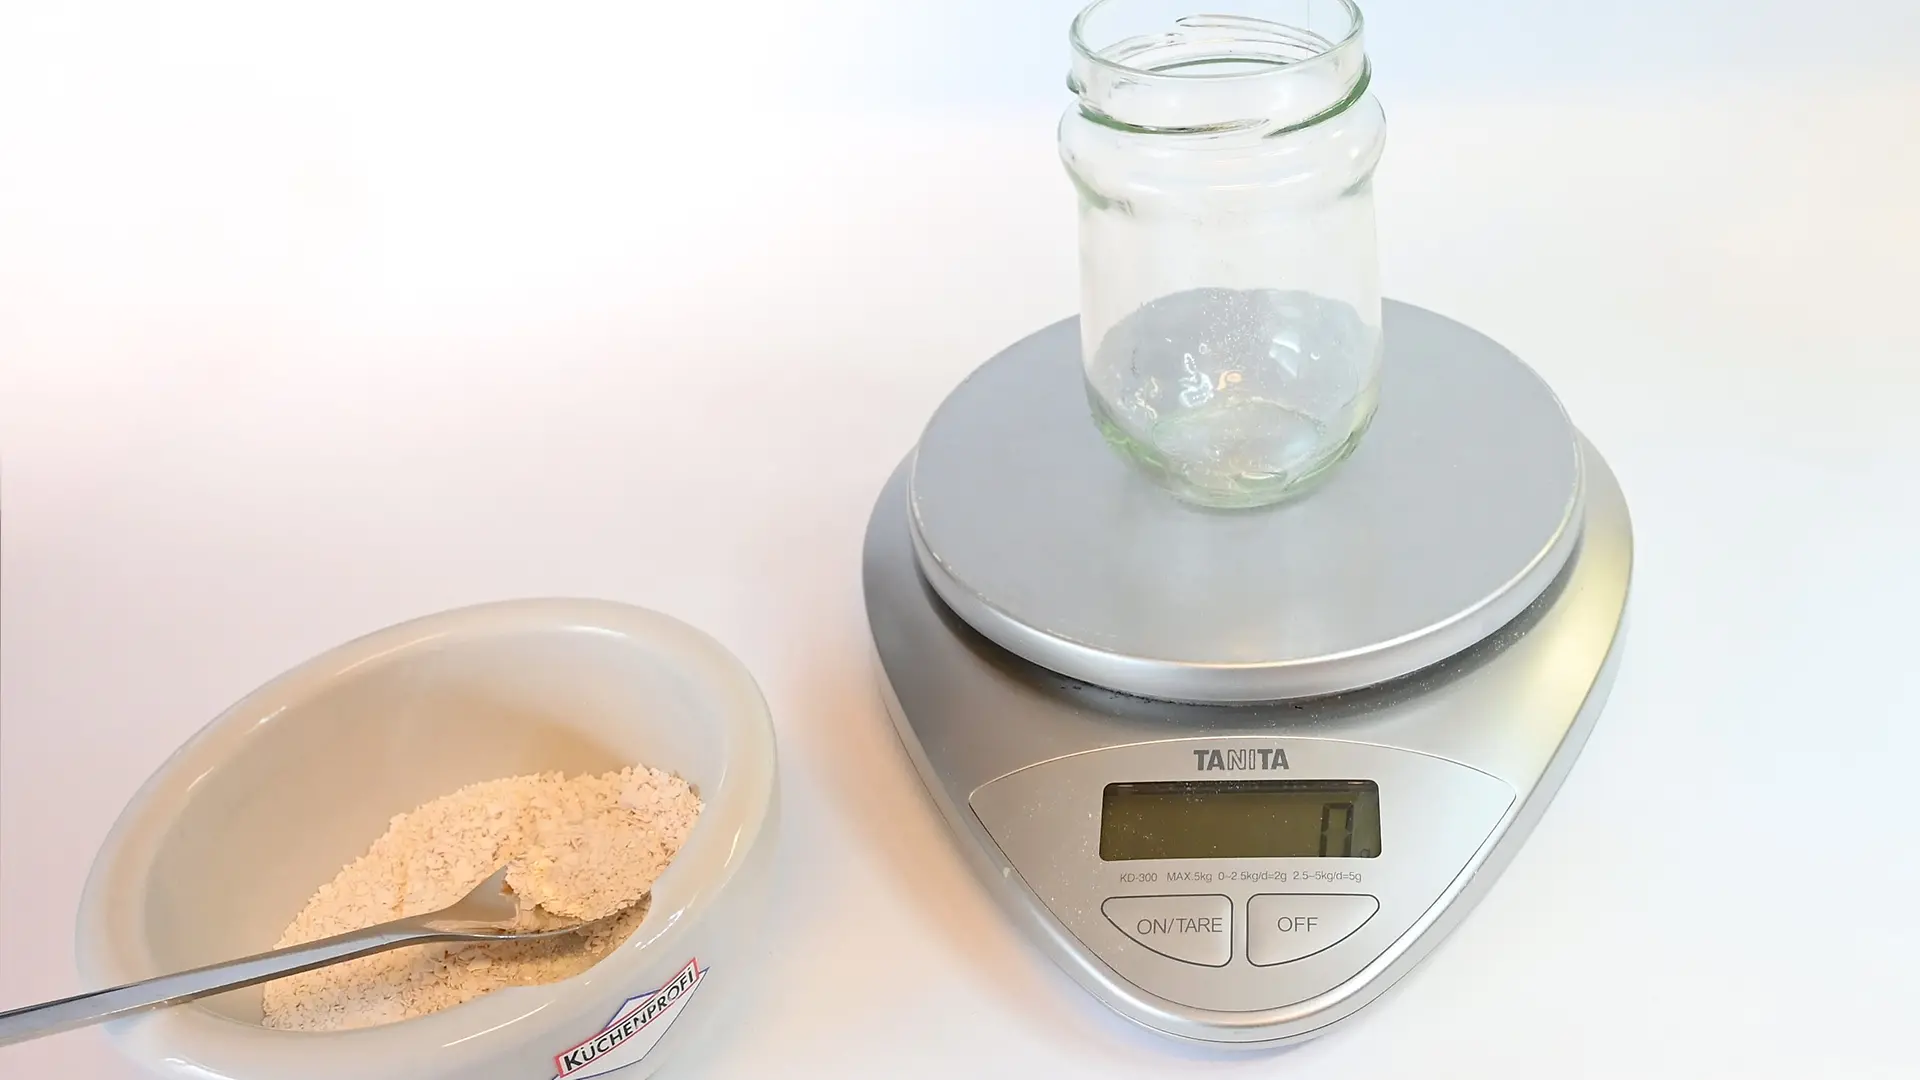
[1229, 286]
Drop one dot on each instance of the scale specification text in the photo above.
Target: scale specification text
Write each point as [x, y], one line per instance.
[1207, 877]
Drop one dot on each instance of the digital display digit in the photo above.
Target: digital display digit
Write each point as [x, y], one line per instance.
[1240, 819]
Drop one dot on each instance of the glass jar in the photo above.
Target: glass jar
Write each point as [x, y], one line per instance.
[1229, 283]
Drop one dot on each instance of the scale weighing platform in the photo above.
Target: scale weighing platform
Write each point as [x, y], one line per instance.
[1237, 772]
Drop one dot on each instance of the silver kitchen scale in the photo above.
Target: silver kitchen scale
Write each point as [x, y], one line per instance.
[1237, 772]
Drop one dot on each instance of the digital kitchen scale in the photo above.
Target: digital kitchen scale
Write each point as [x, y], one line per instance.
[1237, 772]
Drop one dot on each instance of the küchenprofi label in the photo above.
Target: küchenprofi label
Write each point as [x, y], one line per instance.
[636, 1026]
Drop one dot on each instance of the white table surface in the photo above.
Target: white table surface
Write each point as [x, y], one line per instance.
[312, 324]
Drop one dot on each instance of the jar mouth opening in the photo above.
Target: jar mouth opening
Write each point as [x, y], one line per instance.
[1216, 47]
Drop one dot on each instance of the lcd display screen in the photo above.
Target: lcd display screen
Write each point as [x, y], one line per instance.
[1240, 819]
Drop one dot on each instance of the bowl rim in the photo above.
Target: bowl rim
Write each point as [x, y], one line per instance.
[110, 939]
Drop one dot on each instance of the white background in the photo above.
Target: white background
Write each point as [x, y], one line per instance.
[317, 317]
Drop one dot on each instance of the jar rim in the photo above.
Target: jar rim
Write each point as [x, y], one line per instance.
[1077, 38]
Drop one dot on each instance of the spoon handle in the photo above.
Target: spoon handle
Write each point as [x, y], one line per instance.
[81, 1010]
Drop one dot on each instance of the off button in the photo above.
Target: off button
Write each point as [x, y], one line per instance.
[1191, 929]
[1285, 928]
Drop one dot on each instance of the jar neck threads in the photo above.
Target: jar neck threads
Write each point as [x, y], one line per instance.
[1263, 67]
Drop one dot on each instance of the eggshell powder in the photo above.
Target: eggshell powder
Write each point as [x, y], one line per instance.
[586, 848]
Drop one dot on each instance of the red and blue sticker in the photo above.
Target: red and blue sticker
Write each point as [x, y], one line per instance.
[637, 1025]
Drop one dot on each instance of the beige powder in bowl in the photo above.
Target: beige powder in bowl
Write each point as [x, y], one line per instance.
[579, 848]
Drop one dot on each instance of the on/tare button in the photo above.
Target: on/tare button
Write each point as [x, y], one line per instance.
[1282, 928]
[1191, 929]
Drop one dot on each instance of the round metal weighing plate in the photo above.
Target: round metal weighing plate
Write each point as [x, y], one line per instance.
[1456, 511]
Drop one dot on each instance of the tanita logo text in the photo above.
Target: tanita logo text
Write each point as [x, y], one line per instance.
[636, 1026]
[1252, 759]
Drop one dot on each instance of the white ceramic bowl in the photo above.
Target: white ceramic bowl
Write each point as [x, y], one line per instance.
[219, 850]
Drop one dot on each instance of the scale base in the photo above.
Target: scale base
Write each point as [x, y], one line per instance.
[1015, 756]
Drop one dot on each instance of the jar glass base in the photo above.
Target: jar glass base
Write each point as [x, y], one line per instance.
[1217, 482]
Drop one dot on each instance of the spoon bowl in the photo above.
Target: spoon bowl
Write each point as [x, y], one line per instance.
[198, 868]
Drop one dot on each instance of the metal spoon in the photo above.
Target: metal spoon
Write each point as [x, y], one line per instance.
[485, 914]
